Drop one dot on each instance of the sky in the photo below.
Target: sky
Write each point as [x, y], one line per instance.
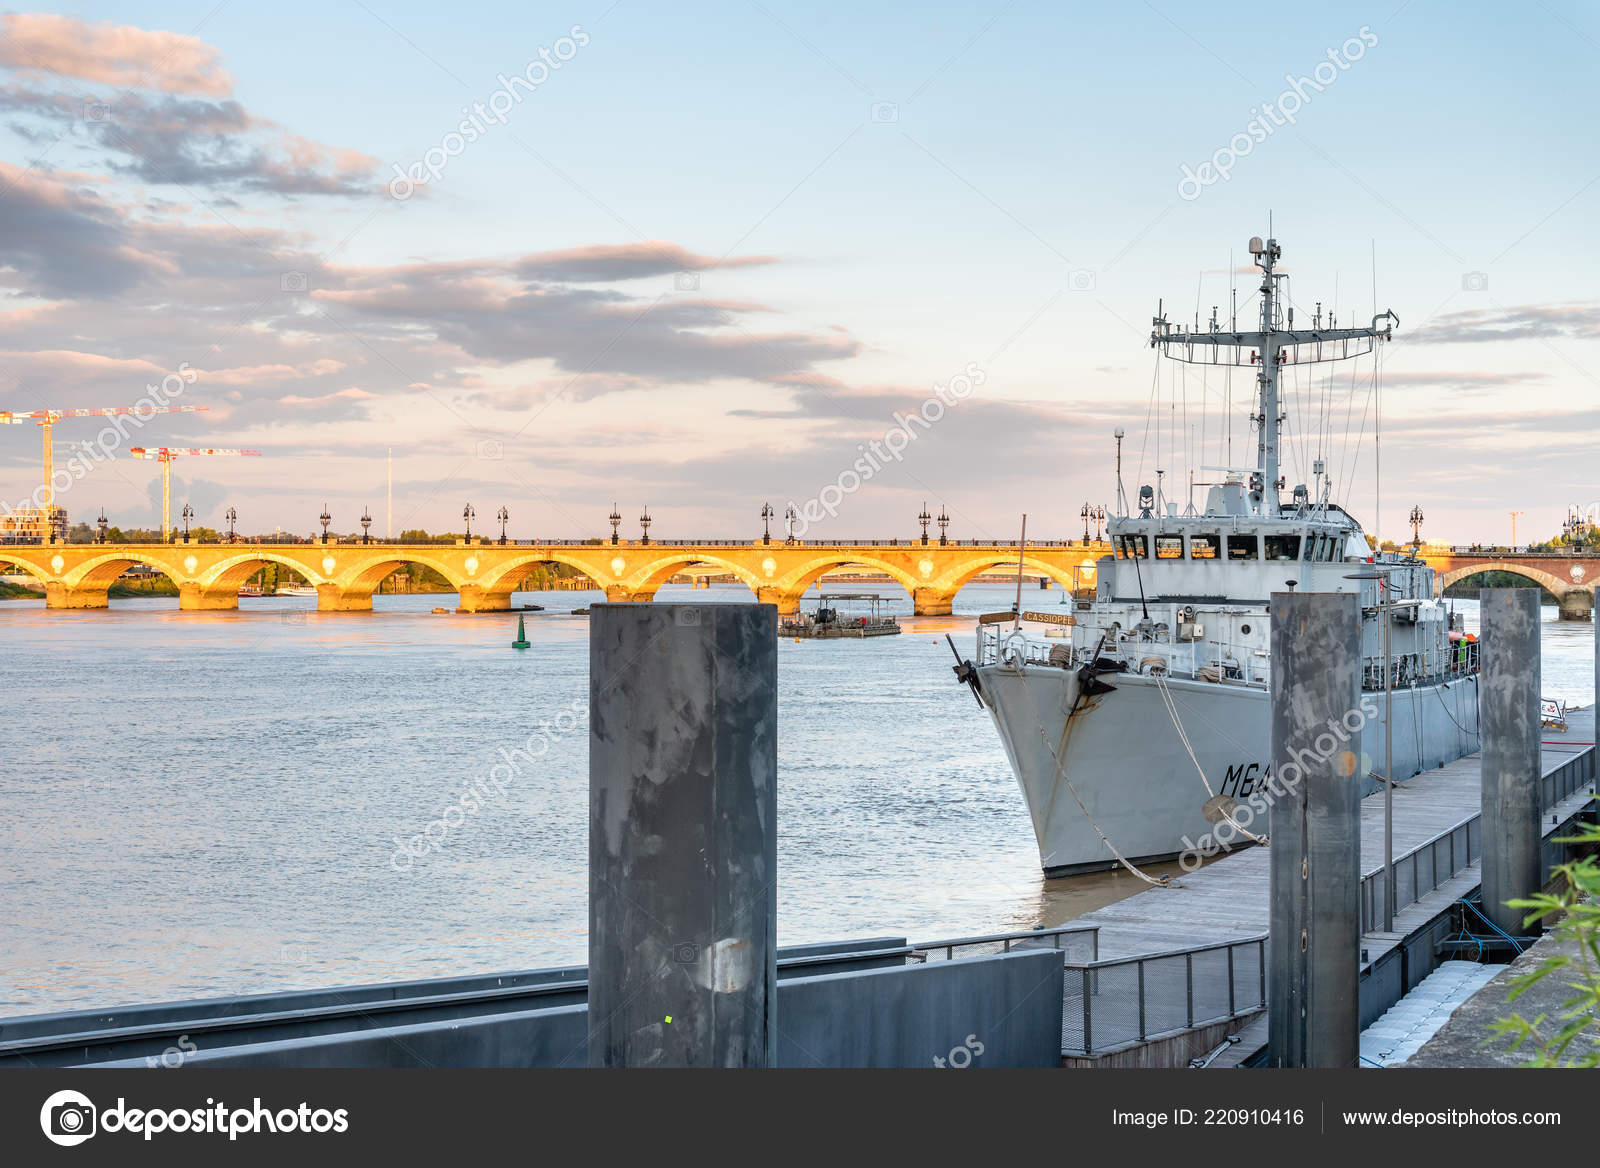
[707, 256]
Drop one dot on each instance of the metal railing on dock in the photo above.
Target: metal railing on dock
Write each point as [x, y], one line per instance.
[1436, 861]
[1125, 1001]
[1077, 943]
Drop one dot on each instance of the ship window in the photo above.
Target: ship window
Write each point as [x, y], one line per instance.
[1203, 547]
[1169, 547]
[1242, 547]
[1135, 547]
[1283, 547]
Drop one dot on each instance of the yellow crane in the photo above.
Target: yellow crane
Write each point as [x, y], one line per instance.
[164, 456]
[47, 419]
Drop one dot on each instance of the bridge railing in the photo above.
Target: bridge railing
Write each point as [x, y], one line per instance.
[593, 541]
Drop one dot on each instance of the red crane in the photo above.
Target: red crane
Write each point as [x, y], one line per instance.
[164, 455]
[47, 420]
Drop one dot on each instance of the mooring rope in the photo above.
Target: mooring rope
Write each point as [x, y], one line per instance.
[1183, 736]
[1061, 777]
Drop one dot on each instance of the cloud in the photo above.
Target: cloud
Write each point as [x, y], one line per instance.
[193, 142]
[624, 261]
[59, 239]
[260, 374]
[44, 44]
[1581, 320]
[353, 394]
[61, 368]
[581, 388]
[1460, 380]
[494, 311]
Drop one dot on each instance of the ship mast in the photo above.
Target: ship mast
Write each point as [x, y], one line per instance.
[1270, 348]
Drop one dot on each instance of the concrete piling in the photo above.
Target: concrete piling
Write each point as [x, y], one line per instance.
[1314, 941]
[1510, 685]
[682, 835]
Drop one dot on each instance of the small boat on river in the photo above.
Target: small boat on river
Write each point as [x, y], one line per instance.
[828, 621]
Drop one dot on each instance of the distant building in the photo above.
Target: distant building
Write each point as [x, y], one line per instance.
[34, 525]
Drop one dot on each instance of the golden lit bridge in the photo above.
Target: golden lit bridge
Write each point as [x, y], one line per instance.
[485, 574]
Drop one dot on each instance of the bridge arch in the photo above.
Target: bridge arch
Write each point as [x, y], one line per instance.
[960, 577]
[100, 572]
[363, 579]
[1552, 584]
[515, 571]
[27, 566]
[797, 580]
[234, 571]
[662, 570]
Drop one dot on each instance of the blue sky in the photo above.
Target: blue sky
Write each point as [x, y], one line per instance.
[868, 203]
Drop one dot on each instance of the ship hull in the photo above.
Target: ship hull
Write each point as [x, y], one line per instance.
[1118, 763]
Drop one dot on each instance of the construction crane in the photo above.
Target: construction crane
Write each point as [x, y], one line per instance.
[164, 456]
[48, 418]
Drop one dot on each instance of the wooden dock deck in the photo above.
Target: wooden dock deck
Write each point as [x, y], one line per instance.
[1228, 900]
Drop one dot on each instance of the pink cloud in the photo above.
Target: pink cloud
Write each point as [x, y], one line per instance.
[120, 55]
[256, 374]
[328, 399]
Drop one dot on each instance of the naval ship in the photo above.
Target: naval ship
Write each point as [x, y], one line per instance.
[1145, 737]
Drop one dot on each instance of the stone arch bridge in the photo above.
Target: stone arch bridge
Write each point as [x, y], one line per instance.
[346, 575]
[1570, 578]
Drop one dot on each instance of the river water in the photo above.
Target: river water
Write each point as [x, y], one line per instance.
[207, 803]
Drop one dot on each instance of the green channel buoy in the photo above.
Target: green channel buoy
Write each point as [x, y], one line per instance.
[522, 641]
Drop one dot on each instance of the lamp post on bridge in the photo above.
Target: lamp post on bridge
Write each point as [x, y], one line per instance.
[644, 523]
[1099, 518]
[503, 516]
[366, 525]
[615, 521]
[326, 519]
[924, 518]
[188, 514]
[944, 522]
[467, 516]
[789, 516]
[101, 524]
[232, 518]
[1088, 513]
[1416, 529]
[766, 522]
